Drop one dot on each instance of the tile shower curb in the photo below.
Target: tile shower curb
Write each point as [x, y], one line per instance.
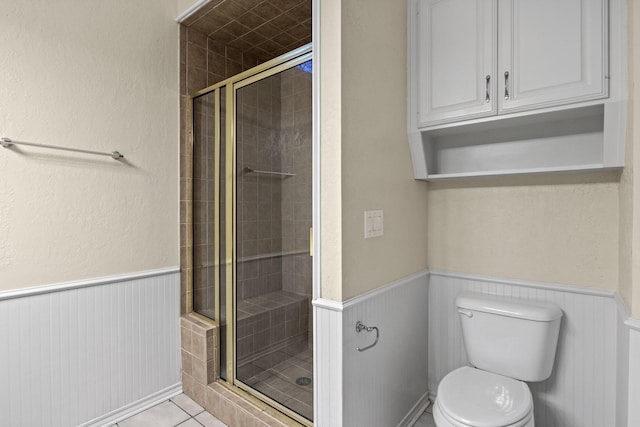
[200, 379]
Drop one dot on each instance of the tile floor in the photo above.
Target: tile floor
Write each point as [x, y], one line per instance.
[177, 411]
[183, 412]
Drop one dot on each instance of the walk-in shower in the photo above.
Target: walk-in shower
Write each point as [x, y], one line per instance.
[252, 187]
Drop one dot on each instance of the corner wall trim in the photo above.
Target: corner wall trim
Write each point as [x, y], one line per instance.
[191, 10]
[58, 287]
[342, 305]
[328, 304]
[385, 288]
[633, 323]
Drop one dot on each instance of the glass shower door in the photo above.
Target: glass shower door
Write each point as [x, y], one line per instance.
[273, 286]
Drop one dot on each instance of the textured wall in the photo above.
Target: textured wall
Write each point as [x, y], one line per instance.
[629, 185]
[98, 76]
[561, 229]
[330, 67]
[366, 163]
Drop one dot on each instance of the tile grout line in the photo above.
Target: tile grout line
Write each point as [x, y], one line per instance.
[193, 417]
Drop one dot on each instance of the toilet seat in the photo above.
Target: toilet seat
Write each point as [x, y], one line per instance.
[473, 397]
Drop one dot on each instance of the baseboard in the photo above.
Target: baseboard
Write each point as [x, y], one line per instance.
[135, 407]
[416, 412]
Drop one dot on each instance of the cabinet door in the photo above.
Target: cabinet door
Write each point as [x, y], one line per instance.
[554, 52]
[457, 44]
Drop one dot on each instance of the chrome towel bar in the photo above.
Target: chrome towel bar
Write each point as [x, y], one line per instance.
[8, 142]
[362, 327]
[251, 170]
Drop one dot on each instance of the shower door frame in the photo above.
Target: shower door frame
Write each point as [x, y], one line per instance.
[232, 84]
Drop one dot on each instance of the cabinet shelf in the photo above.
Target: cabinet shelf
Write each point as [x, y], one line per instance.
[552, 141]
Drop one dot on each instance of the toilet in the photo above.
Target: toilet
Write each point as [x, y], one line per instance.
[509, 342]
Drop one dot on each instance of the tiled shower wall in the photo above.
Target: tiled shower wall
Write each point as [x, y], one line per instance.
[259, 196]
[275, 213]
[203, 204]
[203, 62]
[296, 130]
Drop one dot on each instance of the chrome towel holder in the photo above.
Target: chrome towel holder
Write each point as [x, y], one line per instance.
[8, 142]
[284, 174]
[362, 327]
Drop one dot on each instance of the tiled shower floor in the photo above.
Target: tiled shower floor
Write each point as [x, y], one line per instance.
[279, 383]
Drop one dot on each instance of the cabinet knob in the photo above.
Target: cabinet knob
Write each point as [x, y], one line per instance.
[506, 85]
[487, 97]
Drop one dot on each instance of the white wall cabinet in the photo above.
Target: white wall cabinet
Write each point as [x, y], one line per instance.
[516, 86]
[456, 60]
[551, 52]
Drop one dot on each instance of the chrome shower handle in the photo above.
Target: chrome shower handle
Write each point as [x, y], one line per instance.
[362, 327]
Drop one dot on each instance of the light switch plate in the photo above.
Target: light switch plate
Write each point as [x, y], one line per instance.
[373, 224]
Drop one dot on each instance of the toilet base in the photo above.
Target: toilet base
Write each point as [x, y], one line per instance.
[442, 420]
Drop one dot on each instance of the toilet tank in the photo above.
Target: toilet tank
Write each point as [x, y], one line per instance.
[511, 337]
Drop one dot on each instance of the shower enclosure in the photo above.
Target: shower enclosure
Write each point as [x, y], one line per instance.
[252, 180]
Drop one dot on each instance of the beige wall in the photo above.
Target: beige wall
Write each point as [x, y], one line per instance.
[376, 164]
[630, 186]
[626, 199]
[567, 229]
[331, 149]
[560, 229]
[183, 5]
[364, 116]
[98, 76]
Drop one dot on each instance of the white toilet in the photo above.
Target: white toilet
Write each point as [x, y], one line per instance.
[508, 342]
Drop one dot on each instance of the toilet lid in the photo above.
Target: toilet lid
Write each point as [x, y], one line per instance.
[483, 399]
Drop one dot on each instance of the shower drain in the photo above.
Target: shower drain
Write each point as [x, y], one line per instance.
[303, 381]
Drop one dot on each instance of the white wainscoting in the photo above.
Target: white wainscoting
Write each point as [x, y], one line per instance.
[328, 393]
[622, 365]
[634, 372]
[89, 353]
[582, 390]
[387, 384]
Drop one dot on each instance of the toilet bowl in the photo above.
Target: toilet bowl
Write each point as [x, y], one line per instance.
[470, 397]
[508, 342]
